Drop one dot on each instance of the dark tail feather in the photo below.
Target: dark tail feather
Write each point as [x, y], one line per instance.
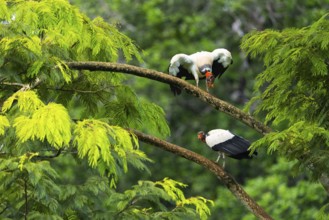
[176, 90]
[244, 155]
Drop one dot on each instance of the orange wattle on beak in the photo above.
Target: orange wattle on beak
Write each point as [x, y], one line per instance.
[210, 79]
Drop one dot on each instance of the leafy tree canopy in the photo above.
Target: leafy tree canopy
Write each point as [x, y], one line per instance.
[293, 91]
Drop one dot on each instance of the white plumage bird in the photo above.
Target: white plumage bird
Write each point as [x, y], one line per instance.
[227, 143]
[200, 65]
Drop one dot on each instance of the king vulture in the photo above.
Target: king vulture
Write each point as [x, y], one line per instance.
[199, 65]
[227, 143]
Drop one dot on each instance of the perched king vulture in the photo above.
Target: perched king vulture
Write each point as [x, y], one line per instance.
[199, 65]
[226, 143]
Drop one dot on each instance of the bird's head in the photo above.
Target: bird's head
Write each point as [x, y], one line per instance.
[202, 136]
[210, 79]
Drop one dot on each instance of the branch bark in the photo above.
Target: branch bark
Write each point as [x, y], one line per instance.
[227, 179]
[218, 104]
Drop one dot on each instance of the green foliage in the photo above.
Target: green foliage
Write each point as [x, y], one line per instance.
[107, 147]
[91, 198]
[20, 175]
[64, 143]
[128, 110]
[39, 35]
[293, 91]
[300, 54]
[290, 196]
[3, 124]
[144, 201]
[50, 122]
[27, 101]
[323, 213]
[279, 192]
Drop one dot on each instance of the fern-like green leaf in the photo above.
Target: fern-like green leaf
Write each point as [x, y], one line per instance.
[24, 158]
[92, 140]
[200, 204]
[4, 13]
[145, 201]
[4, 122]
[170, 186]
[27, 101]
[50, 122]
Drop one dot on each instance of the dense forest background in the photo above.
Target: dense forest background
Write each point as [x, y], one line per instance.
[285, 187]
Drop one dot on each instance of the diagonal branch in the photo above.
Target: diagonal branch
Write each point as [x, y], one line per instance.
[227, 179]
[218, 104]
[166, 78]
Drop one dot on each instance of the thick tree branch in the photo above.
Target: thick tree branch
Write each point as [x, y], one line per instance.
[227, 179]
[166, 78]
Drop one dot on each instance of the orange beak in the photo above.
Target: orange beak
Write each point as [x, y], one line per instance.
[210, 79]
[201, 136]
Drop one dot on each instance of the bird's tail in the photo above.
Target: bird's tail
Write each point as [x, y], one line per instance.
[244, 155]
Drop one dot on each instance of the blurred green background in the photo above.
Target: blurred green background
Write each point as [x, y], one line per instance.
[163, 28]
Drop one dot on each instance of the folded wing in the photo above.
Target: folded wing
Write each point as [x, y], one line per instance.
[180, 66]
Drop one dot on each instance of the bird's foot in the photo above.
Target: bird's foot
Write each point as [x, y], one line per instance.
[219, 155]
[223, 163]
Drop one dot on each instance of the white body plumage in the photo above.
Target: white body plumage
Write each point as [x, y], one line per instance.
[195, 66]
[218, 136]
[227, 143]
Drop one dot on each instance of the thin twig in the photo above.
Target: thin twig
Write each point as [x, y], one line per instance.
[3, 210]
[32, 85]
[43, 157]
[129, 204]
[12, 84]
[77, 90]
[25, 195]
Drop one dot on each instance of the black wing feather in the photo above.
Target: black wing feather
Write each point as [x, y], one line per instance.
[183, 73]
[218, 69]
[237, 148]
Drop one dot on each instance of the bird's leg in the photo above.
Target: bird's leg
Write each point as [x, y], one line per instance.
[219, 155]
[197, 82]
[196, 77]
